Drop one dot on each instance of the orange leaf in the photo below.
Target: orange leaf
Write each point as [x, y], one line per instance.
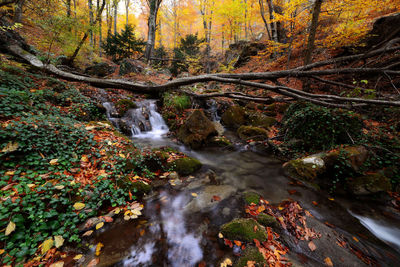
[270, 236]
[237, 243]
[130, 195]
[202, 264]
[216, 198]
[255, 228]
[312, 246]
[315, 203]
[355, 239]
[291, 192]
[93, 262]
[328, 262]
[228, 243]
[108, 219]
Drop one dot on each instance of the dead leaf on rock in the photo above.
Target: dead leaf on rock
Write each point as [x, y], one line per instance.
[328, 262]
[312, 246]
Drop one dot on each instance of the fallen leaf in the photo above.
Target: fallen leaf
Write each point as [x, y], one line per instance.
[2, 251]
[355, 239]
[255, 228]
[84, 158]
[137, 212]
[53, 162]
[93, 262]
[227, 262]
[315, 203]
[59, 187]
[251, 264]
[194, 195]
[328, 262]
[98, 248]
[57, 264]
[78, 257]
[142, 232]
[10, 228]
[79, 205]
[202, 264]
[220, 235]
[46, 245]
[122, 156]
[216, 198]
[331, 199]
[291, 192]
[127, 218]
[10, 173]
[108, 219]
[237, 243]
[117, 210]
[59, 241]
[10, 147]
[88, 233]
[312, 246]
[99, 225]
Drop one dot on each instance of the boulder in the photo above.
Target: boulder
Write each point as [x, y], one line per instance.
[354, 155]
[240, 52]
[196, 130]
[100, 69]
[268, 220]
[251, 132]
[369, 184]
[234, 117]
[128, 65]
[308, 168]
[251, 254]
[251, 197]
[243, 230]
[186, 166]
[260, 120]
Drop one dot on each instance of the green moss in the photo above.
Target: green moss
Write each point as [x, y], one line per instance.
[250, 254]
[186, 166]
[303, 169]
[243, 230]
[267, 220]
[177, 102]
[259, 120]
[234, 117]
[220, 141]
[251, 197]
[140, 188]
[251, 132]
[124, 105]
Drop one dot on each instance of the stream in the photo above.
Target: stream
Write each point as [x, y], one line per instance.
[180, 222]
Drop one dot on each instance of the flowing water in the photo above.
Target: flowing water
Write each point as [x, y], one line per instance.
[178, 229]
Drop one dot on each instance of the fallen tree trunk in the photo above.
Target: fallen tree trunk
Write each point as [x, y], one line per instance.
[246, 79]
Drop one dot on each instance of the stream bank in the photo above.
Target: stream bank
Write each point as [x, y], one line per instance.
[182, 217]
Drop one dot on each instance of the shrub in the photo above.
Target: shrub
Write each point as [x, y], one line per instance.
[177, 102]
[320, 128]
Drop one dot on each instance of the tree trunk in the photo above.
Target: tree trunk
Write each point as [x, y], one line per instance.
[152, 26]
[313, 31]
[19, 11]
[86, 35]
[127, 3]
[115, 16]
[100, 28]
[90, 4]
[262, 11]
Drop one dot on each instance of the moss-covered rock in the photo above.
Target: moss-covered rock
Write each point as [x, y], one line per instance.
[220, 141]
[268, 220]
[138, 187]
[251, 132]
[251, 197]
[124, 105]
[196, 130]
[260, 120]
[250, 254]
[369, 184]
[243, 230]
[308, 168]
[186, 166]
[234, 117]
[354, 155]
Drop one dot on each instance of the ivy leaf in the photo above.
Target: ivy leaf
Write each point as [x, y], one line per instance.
[79, 205]
[59, 241]
[48, 244]
[10, 228]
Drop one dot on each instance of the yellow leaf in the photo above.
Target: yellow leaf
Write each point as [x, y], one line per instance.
[122, 156]
[99, 225]
[30, 185]
[59, 241]
[331, 199]
[79, 205]
[355, 239]
[117, 210]
[127, 213]
[10, 228]
[194, 194]
[48, 244]
[10, 147]
[136, 212]
[127, 218]
[2, 251]
[57, 264]
[59, 187]
[98, 248]
[134, 217]
[54, 162]
[220, 235]
[78, 257]
[84, 158]
[10, 173]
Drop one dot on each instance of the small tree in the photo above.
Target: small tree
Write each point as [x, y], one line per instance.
[187, 52]
[161, 56]
[124, 44]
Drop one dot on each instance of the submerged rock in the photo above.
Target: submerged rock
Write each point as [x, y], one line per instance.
[234, 117]
[243, 229]
[206, 199]
[369, 184]
[196, 130]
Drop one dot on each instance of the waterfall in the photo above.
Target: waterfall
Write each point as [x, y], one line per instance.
[141, 122]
